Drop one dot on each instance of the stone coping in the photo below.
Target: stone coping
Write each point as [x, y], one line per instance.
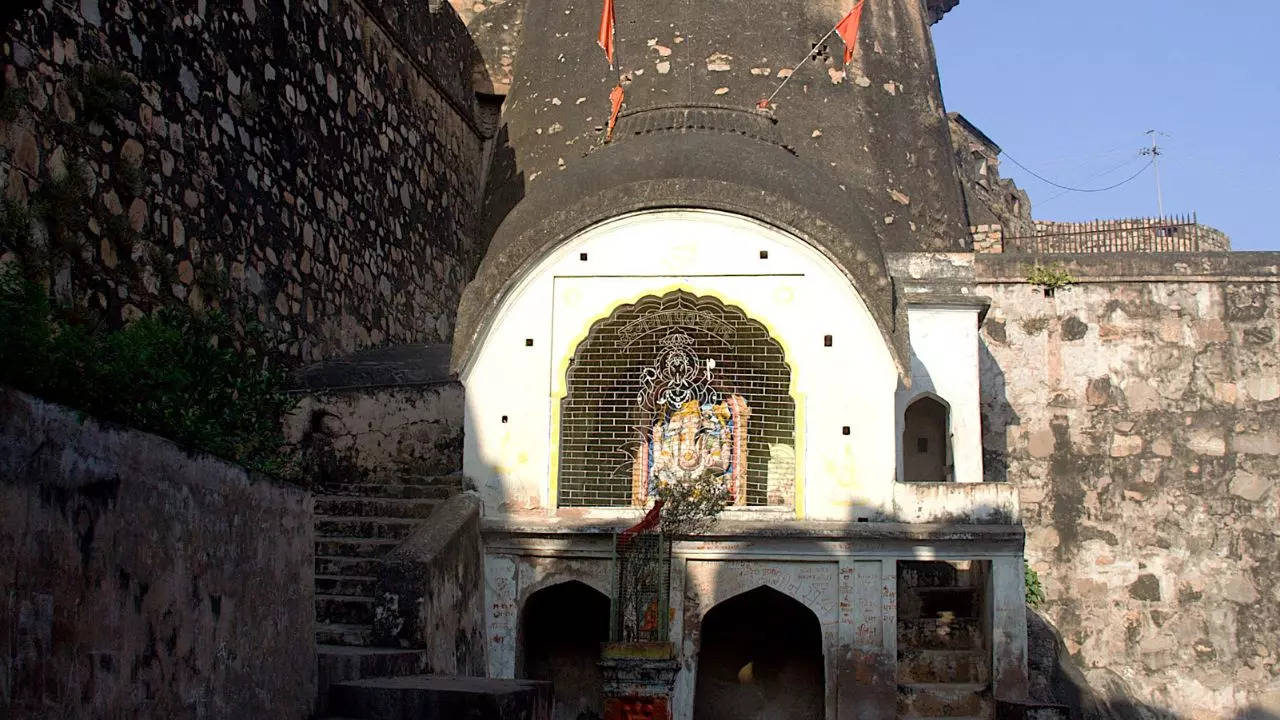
[392, 365]
[1134, 267]
[739, 529]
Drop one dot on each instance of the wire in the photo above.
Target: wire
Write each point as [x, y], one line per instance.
[1103, 173]
[1126, 181]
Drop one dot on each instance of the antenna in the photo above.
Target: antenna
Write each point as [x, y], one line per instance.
[1154, 153]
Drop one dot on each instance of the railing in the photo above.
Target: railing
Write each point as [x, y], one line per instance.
[1173, 234]
[641, 585]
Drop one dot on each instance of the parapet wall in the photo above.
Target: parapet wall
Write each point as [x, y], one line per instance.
[1182, 234]
[142, 581]
[1138, 412]
[313, 164]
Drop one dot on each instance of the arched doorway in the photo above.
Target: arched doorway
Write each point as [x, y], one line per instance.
[561, 629]
[926, 441]
[760, 657]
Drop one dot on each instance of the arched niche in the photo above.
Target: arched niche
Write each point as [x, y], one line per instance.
[560, 632]
[676, 383]
[926, 440]
[760, 655]
[843, 372]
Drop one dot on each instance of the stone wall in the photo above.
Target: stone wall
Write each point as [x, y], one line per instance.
[381, 434]
[388, 415]
[312, 164]
[431, 591]
[989, 199]
[143, 581]
[1139, 414]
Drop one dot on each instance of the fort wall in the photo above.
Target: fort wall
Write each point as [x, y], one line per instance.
[312, 165]
[1139, 413]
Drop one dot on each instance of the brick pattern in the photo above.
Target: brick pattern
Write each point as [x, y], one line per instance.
[601, 420]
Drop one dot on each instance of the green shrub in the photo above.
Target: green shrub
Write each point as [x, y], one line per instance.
[104, 93]
[1035, 591]
[15, 225]
[1051, 277]
[63, 203]
[176, 373]
[12, 100]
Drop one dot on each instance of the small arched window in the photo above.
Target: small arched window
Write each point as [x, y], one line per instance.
[926, 441]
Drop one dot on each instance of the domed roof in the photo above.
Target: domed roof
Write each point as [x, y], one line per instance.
[734, 173]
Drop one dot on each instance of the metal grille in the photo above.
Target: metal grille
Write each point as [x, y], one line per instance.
[641, 587]
[603, 425]
[1172, 234]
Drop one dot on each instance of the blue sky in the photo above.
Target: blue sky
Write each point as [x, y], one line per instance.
[1070, 88]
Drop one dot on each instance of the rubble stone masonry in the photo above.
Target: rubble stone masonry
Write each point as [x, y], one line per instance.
[1138, 411]
[312, 164]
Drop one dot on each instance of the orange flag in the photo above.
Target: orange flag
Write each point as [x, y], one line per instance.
[615, 106]
[847, 29]
[606, 31]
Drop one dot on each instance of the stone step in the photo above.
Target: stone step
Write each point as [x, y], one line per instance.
[391, 490]
[940, 634]
[1031, 710]
[346, 585]
[351, 506]
[344, 609]
[366, 528]
[433, 697]
[343, 634]
[443, 482]
[943, 700]
[942, 666]
[353, 547]
[339, 663]
[347, 566]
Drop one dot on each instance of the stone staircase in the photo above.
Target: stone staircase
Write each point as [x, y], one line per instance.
[944, 668]
[356, 524]
[363, 683]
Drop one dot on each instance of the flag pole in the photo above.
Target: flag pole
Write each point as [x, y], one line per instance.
[787, 79]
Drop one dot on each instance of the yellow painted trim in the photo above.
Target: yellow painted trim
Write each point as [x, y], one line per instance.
[559, 388]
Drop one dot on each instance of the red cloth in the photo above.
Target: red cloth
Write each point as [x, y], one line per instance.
[649, 522]
[847, 29]
[615, 106]
[606, 31]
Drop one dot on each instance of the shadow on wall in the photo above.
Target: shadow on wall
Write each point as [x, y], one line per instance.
[504, 188]
[997, 413]
[1097, 694]
[561, 629]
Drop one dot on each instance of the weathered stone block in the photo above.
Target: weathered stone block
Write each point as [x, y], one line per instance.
[148, 582]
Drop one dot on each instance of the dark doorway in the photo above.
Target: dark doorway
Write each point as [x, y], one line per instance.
[561, 630]
[926, 442]
[760, 657]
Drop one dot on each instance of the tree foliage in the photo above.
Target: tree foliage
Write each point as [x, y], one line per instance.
[185, 375]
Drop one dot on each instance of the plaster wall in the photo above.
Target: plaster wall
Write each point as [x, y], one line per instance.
[848, 582]
[514, 386]
[944, 364]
